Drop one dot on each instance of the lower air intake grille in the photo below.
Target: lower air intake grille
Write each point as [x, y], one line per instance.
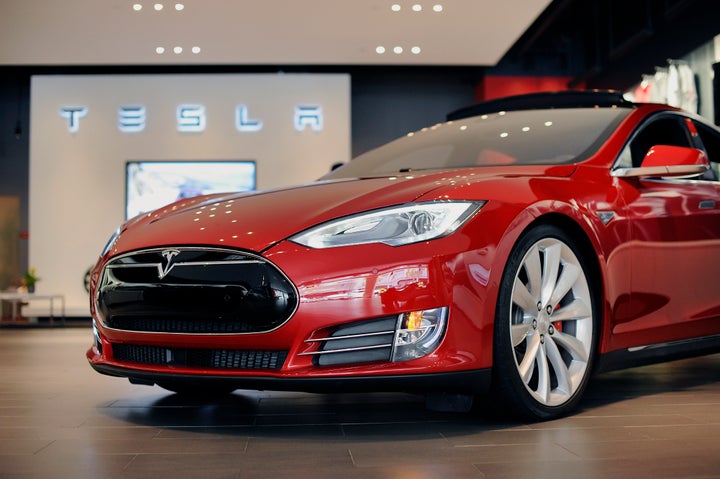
[189, 325]
[354, 343]
[199, 358]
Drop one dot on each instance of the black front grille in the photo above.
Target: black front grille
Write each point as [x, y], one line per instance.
[199, 358]
[194, 291]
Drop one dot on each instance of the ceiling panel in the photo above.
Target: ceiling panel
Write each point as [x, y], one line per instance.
[262, 32]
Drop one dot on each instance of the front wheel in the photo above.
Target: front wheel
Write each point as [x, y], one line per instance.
[545, 326]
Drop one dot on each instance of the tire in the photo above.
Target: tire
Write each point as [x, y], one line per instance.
[546, 326]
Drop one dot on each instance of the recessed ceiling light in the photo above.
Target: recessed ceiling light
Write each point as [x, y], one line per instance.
[160, 50]
[179, 7]
[396, 8]
[437, 8]
[158, 7]
[417, 7]
[398, 50]
[177, 50]
[415, 50]
[137, 7]
[196, 50]
[380, 50]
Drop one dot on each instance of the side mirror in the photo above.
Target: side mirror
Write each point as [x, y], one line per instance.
[666, 160]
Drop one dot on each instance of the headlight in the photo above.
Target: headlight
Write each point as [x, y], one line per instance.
[394, 226]
[110, 243]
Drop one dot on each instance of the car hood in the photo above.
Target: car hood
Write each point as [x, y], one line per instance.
[255, 221]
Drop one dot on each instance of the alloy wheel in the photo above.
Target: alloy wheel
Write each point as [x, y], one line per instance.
[551, 322]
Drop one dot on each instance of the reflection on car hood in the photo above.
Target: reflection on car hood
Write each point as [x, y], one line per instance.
[256, 221]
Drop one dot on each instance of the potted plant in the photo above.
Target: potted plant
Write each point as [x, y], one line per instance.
[30, 279]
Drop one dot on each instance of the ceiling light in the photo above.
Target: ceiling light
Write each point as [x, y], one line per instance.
[415, 50]
[196, 50]
[396, 8]
[137, 7]
[437, 8]
[417, 7]
[380, 50]
[177, 50]
[160, 50]
[179, 7]
[398, 50]
[158, 7]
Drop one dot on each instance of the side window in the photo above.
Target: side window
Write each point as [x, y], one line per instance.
[666, 130]
[711, 142]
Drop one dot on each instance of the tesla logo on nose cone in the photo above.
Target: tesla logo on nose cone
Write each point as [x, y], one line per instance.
[167, 264]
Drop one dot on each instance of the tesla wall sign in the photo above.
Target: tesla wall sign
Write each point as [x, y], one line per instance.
[192, 118]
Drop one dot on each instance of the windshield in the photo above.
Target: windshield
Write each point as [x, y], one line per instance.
[529, 137]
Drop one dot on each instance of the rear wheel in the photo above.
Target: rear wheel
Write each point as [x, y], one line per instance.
[545, 326]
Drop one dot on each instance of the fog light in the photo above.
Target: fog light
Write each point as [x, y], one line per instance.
[418, 333]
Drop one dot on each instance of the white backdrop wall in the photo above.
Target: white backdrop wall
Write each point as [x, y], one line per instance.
[77, 165]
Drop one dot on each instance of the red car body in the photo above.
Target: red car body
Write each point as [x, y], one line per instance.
[648, 242]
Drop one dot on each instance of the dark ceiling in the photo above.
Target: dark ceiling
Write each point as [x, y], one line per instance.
[610, 43]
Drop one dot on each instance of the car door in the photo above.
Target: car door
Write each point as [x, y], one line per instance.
[674, 243]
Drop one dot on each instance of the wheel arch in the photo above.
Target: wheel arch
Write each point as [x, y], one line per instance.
[584, 243]
[590, 255]
[588, 244]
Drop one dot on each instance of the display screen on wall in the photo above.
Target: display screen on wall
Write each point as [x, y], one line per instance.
[153, 184]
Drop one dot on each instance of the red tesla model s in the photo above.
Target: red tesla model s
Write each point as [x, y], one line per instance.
[509, 252]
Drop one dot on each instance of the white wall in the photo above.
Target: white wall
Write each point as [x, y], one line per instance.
[77, 179]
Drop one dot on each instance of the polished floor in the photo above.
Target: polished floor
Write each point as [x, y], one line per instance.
[60, 419]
